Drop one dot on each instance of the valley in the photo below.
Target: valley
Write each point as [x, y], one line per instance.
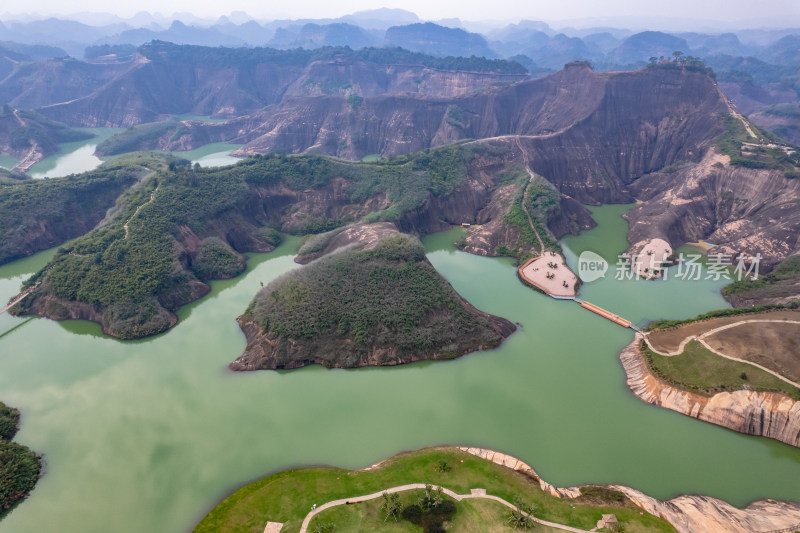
[388, 234]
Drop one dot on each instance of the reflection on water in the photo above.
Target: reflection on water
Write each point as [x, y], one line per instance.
[82, 159]
[74, 157]
[148, 435]
[77, 157]
[212, 155]
[7, 161]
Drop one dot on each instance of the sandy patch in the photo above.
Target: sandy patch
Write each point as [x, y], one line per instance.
[647, 263]
[551, 274]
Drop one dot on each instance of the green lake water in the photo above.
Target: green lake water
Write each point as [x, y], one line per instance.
[212, 155]
[149, 435]
[8, 161]
[76, 157]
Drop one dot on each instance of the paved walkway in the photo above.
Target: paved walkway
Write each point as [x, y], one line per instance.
[475, 493]
[699, 338]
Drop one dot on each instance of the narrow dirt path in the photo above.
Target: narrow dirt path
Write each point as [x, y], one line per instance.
[33, 155]
[152, 196]
[699, 338]
[476, 493]
[745, 124]
[18, 299]
[736, 114]
[525, 194]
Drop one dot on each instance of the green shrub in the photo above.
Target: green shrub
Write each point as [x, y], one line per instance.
[9, 420]
[216, 260]
[355, 100]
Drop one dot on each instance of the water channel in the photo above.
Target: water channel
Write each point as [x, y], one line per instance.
[149, 435]
[79, 156]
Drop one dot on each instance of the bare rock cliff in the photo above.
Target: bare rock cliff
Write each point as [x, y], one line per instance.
[765, 414]
[688, 514]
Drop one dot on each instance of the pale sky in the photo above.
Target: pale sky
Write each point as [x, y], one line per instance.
[755, 12]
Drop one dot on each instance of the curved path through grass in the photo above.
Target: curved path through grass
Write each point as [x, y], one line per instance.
[475, 493]
[710, 332]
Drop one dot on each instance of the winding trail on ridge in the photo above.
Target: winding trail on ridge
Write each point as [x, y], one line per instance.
[525, 194]
[33, 155]
[699, 338]
[152, 197]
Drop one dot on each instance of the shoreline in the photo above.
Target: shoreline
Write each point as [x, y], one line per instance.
[688, 514]
[764, 414]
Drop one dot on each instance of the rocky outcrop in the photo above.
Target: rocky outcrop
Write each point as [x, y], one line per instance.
[688, 514]
[740, 210]
[30, 137]
[766, 414]
[363, 235]
[114, 321]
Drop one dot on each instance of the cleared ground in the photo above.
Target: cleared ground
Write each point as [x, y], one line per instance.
[772, 345]
[669, 340]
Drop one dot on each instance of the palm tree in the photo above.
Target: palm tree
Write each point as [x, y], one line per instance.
[437, 498]
[391, 505]
[521, 517]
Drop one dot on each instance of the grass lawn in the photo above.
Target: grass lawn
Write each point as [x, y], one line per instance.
[288, 496]
[701, 371]
[472, 516]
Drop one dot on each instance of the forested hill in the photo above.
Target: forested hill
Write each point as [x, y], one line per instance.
[19, 466]
[302, 57]
[182, 226]
[39, 214]
[382, 303]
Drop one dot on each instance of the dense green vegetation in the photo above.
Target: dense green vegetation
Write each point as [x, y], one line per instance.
[680, 61]
[42, 131]
[355, 100]
[701, 371]
[63, 207]
[136, 277]
[135, 137]
[455, 116]
[161, 51]
[287, 496]
[540, 198]
[782, 282]
[216, 260]
[19, 466]
[754, 154]
[736, 311]
[386, 298]
[9, 421]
